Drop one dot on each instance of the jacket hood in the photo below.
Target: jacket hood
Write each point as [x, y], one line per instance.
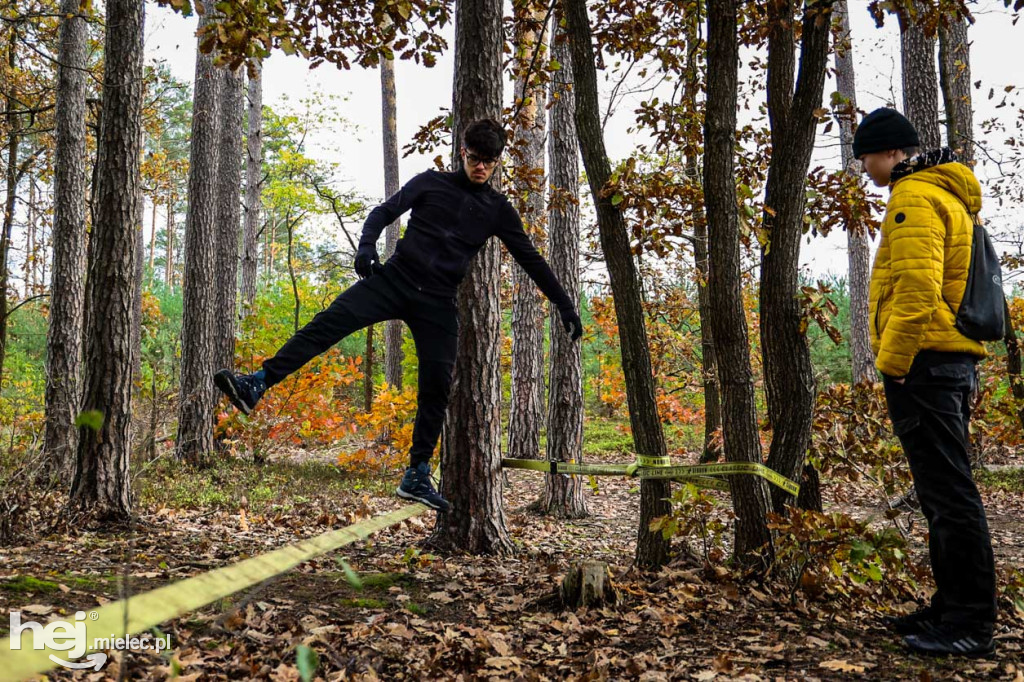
[955, 178]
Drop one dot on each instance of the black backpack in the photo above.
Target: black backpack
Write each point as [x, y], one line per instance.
[981, 314]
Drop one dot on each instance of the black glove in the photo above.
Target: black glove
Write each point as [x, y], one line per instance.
[367, 261]
[572, 323]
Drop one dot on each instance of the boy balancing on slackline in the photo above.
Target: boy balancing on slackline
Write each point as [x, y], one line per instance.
[453, 215]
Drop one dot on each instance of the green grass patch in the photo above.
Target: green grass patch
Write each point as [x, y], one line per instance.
[24, 584]
[364, 603]
[1007, 479]
[414, 608]
[606, 436]
[382, 581]
[227, 482]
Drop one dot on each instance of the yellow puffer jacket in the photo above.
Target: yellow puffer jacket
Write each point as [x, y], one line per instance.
[920, 269]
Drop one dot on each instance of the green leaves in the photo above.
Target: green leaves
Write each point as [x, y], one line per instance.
[307, 661]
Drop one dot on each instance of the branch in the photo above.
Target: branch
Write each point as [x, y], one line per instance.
[27, 300]
[329, 197]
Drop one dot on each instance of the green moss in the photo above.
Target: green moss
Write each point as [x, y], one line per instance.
[364, 603]
[26, 583]
[413, 607]
[382, 581]
[1008, 479]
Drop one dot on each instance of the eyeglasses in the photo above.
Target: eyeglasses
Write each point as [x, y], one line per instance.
[475, 160]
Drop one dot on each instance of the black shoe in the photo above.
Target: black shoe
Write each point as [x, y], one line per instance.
[416, 485]
[243, 390]
[952, 639]
[923, 620]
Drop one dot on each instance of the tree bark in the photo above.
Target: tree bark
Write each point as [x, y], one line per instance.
[563, 495]
[471, 449]
[368, 371]
[198, 329]
[739, 418]
[712, 450]
[393, 354]
[862, 360]
[11, 188]
[253, 190]
[140, 259]
[920, 85]
[527, 396]
[955, 78]
[789, 377]
[652, 549]
[101, 485]
[229, 201]
[169, 255]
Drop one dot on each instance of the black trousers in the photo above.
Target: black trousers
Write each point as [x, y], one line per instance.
[930, 413]
[432, 320]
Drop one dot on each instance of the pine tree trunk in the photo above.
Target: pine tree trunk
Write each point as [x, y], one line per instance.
[30, 228]
[712, 449]
[652, 549]
[471, 448]
[101, 485]
[739, 418]
[253, 190]
[920, 85]
[862, 360]
[13, 143]
[169, 255]
[789, 377]
[229, 199]
[563, 495]
[368, 371]
[140, 259]
[152, 237]
[955, 77]
[527, 399]
[393, 354]
[198, 328]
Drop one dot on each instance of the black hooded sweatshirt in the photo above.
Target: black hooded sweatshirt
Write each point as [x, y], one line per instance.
[452, 217]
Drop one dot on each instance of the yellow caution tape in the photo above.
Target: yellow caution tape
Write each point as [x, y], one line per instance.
[144, 611]
[700, 474]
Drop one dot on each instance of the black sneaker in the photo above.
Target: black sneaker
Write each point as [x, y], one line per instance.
[921, 621]
[952, 639]
[416, 485]
[243, 390]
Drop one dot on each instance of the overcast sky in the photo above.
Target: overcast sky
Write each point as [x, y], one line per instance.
[422, 93]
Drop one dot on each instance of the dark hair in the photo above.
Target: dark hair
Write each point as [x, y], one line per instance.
[911, 151]
[485, 137]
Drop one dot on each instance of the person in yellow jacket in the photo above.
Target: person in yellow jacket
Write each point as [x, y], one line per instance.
[928, 370]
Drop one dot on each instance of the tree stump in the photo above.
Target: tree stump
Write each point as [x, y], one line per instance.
[588, 584]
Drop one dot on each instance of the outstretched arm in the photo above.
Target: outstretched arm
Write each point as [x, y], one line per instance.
[515, 239]
[382, 216]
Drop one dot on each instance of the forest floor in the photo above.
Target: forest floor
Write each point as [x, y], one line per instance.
[420, 616]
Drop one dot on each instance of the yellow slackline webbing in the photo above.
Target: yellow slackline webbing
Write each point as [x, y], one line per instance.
[703, 475]
[143, 611]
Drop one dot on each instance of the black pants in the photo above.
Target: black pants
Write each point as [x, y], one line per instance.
[432, 320]
[930, 412]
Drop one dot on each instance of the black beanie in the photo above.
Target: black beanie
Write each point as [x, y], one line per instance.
[884, 129]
